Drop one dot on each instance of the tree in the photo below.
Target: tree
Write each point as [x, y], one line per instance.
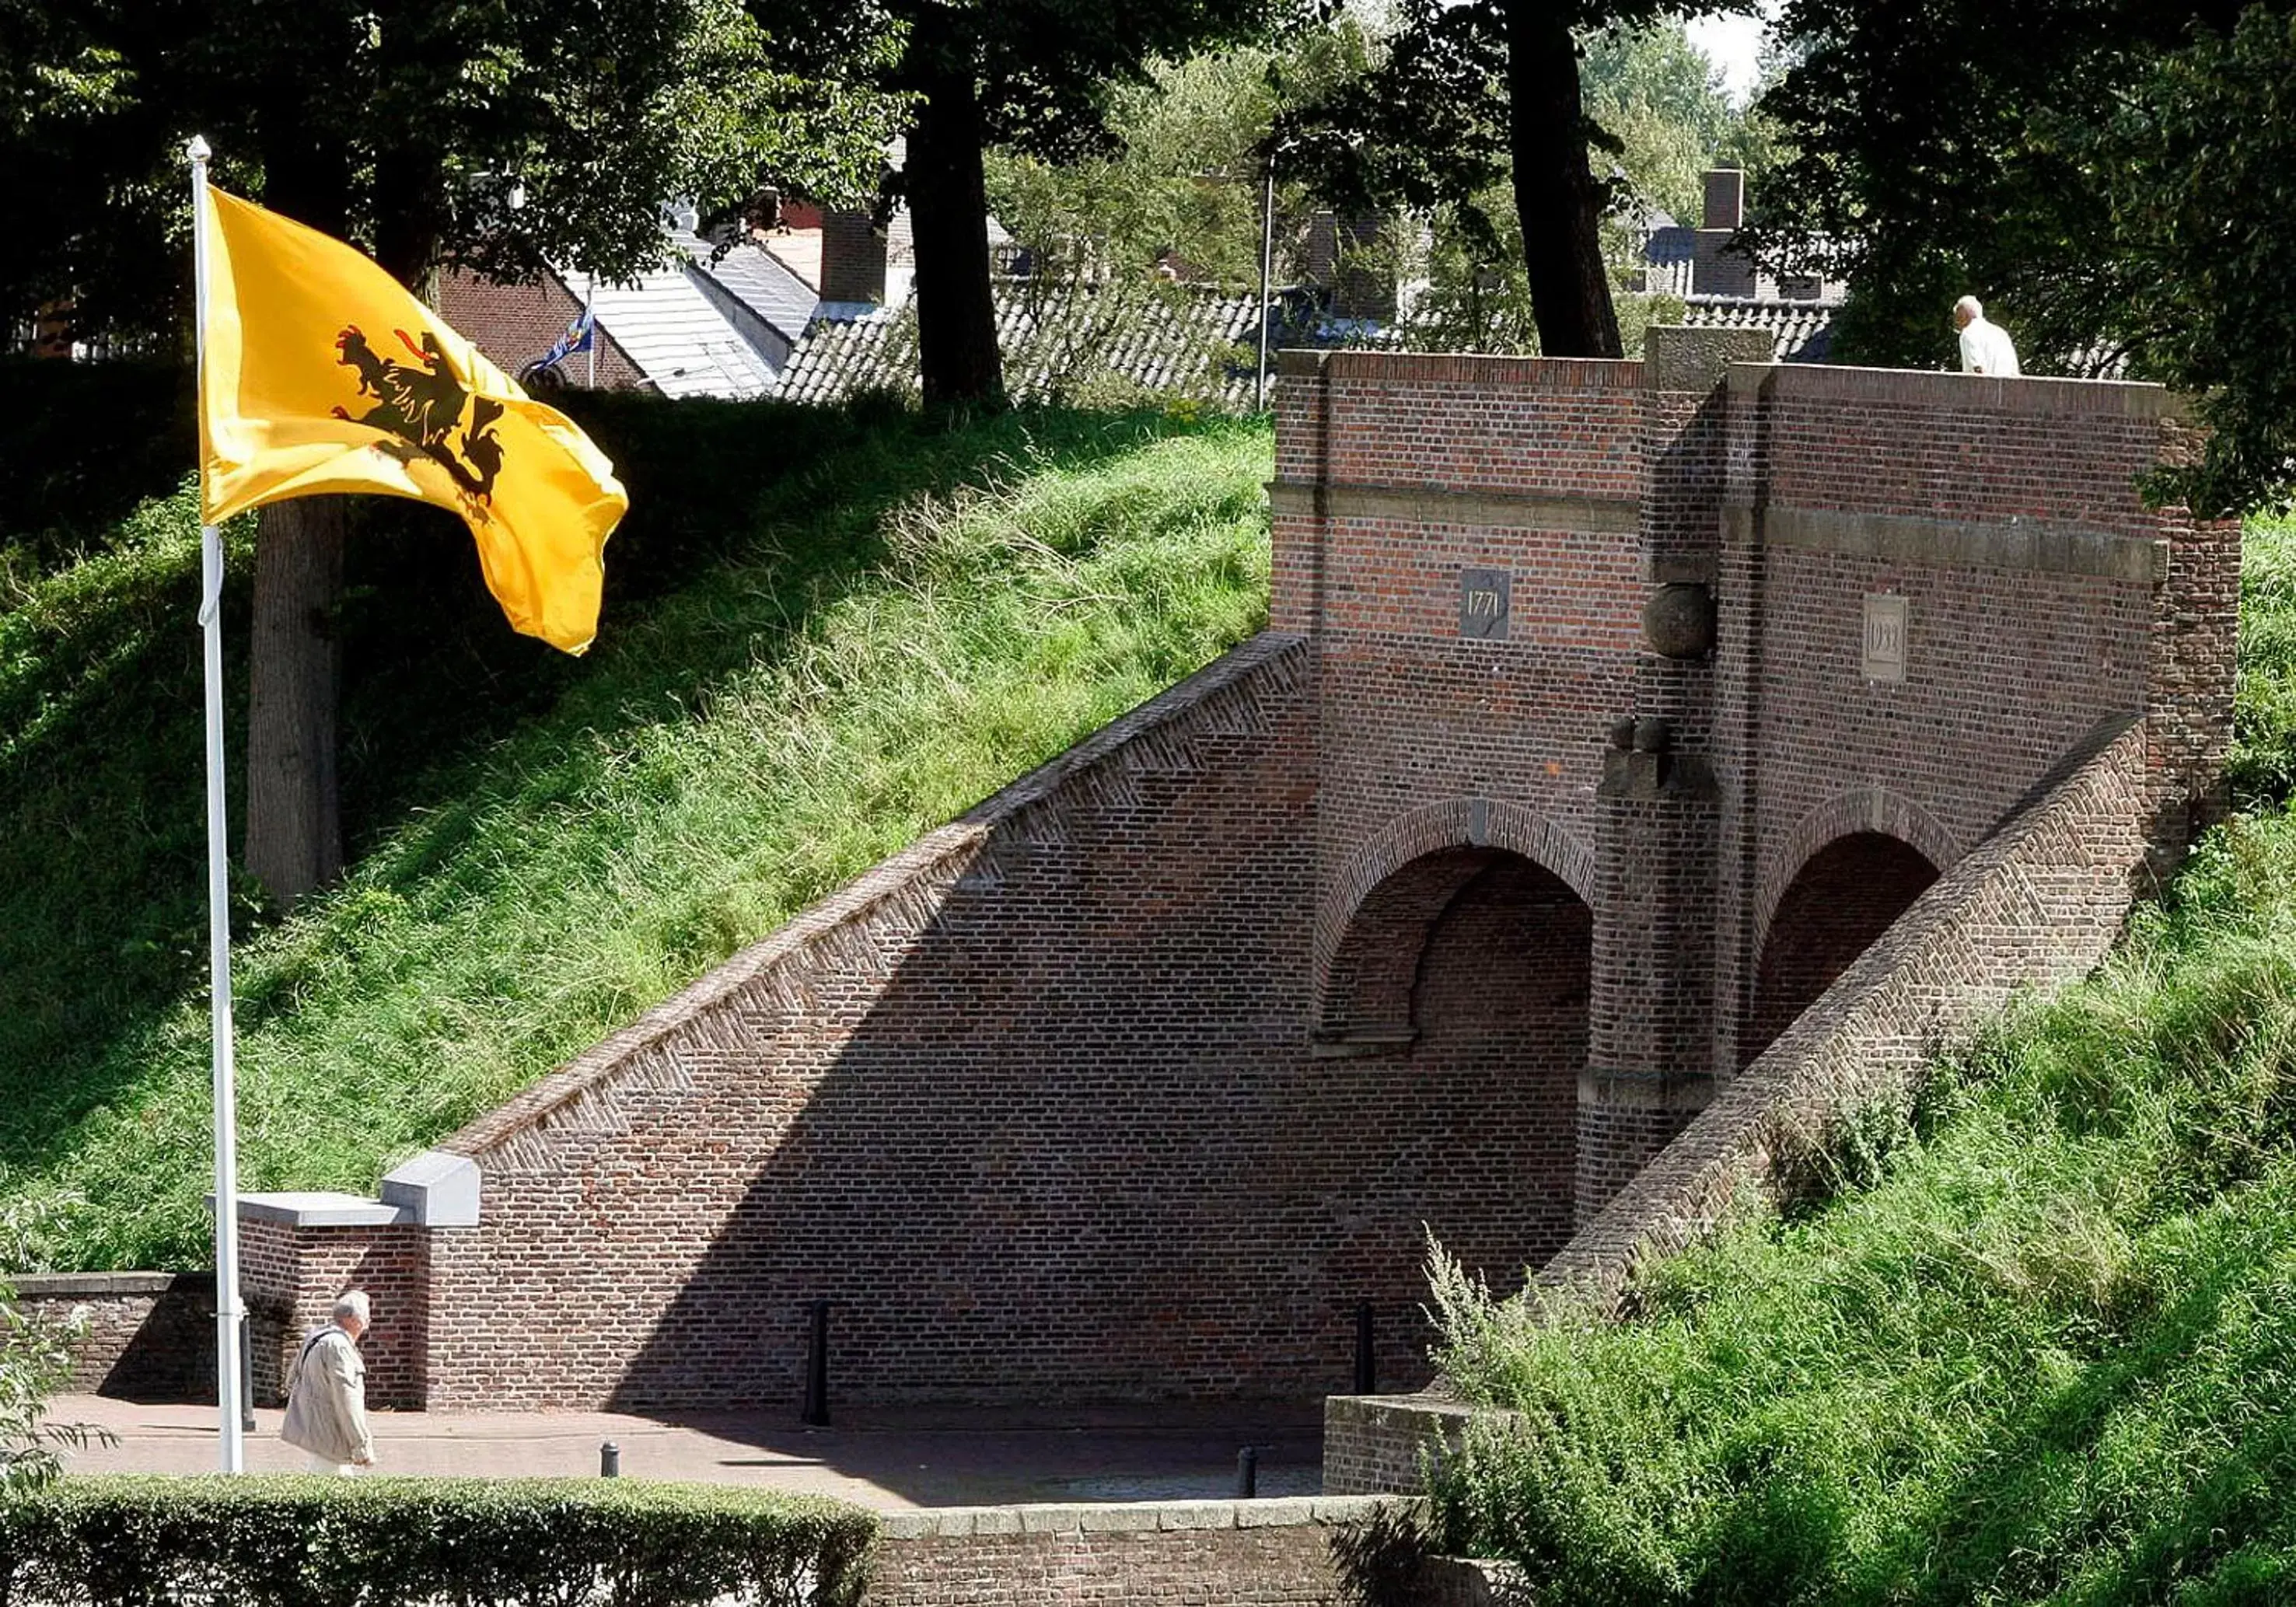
[1487, 93]
[2108, 178]
[1183, 174]
[1938, 154]
[412, 126]
[1664, 116]
[1033, 75]
[2196, 168]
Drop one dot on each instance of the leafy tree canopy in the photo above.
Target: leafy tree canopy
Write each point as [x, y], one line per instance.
[1184, 169]
[411, 126]
[2106, 175]
[1491, 105]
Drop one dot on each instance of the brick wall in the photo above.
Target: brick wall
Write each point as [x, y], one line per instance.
[1032, 1104]
[2040, 597]
[516, 324]
[1205, 1554]
[290, 1278]
[1137, 1080]
[144, 1335]
[2035, 905]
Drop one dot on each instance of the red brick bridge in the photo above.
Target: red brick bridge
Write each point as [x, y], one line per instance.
[1607, 714]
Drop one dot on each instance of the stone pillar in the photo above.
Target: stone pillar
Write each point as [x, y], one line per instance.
[2193, 669]
[1650, 1028]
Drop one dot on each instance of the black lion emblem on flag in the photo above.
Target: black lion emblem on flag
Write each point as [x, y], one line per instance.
[421, 402]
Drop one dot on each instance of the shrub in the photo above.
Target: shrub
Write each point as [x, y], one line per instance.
[316, 1542]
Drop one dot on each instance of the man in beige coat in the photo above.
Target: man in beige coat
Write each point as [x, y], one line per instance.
[326, 1393]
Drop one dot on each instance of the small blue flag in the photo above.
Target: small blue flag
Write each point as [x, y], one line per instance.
[578, 336]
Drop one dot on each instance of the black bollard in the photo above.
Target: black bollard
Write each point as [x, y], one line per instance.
[1366, 1356]
[246, 1382]
[816, 1371]
[1247, 1473]
[610, 1461]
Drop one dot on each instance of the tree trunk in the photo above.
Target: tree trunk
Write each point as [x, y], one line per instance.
[294, 831]
[294, 840]
[1554, 191]
[948, 208]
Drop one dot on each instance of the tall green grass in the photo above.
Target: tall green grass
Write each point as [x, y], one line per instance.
[2039, 1345]
[826, 638]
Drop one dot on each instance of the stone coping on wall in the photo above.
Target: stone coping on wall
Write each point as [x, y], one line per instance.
[912, 880]
[1139, 1517]
[2031, 545]
[1455, 368]
[94, 1285]
[2033, 396]
[315, 1207]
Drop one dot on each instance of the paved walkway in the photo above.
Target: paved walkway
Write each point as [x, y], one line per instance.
[892, 1461]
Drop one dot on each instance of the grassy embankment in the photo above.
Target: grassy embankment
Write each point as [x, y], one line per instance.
[823, 634]
[2036, 1344]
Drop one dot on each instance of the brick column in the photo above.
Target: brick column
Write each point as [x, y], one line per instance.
[1649, 1055]
[2193, 672]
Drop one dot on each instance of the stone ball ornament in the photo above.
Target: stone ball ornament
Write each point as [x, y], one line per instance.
[1678, 621]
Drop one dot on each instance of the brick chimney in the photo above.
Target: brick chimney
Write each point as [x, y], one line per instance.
[852, 257]
[1715, 270]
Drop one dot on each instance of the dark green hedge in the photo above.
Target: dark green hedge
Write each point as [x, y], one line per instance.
[311, 1542]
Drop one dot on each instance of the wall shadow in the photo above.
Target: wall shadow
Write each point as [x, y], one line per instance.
[1074, 1147]
[102, 809]
[1841, 900]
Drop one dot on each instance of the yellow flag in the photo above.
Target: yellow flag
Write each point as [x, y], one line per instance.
[320, 373]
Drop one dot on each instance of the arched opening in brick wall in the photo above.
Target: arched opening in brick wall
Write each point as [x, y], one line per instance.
[1845, 897]
[1455, 1033]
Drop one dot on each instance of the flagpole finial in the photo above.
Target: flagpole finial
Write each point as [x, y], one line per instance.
[197, 148]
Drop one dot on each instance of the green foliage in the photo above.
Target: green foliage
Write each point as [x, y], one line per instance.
[1930, 163]
[2034, 1345]
[2105, 176]
[2195, 166]
[2263, 767]
[407, 128]
[35, 1358]
[84, 443]
[1423, 129]
[1658, 101]
[823, 634]
[280, 1542]
[1184, 171]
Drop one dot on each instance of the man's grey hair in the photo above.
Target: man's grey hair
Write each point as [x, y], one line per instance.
[352, 1303]
[1969, 305]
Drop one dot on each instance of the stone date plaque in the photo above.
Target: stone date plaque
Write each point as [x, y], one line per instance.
[1885, 637]
[1485, 596]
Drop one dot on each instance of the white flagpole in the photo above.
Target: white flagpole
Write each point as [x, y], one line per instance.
[229, 1312]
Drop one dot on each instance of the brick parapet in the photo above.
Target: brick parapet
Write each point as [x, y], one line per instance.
[1378, 1444]
[1280, 1553]
[137, 1335]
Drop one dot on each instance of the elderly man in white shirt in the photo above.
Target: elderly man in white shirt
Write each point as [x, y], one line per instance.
[326, 1393]
[1985, 348]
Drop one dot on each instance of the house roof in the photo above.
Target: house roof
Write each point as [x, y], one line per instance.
[1802, 330]
[674, 336]
[1171, 339]
[760, 281]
